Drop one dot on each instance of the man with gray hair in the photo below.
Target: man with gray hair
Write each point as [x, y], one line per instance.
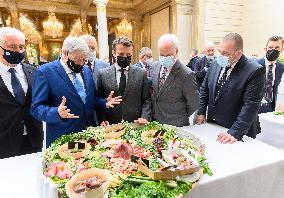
[231, 93]
[175, 93]
[146, 62]
[193, 60]
[20, 133]
[64, 95]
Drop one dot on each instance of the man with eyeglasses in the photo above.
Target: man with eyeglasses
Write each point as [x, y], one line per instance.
[127, 81]
[274, 72]
[20, 133]
[231, 92]
[64, 95]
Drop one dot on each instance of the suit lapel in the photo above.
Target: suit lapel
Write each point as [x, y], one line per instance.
[278, 72]
[29, 76]
[156, 78]
[215, 80]
[4, 90]
[112, 79]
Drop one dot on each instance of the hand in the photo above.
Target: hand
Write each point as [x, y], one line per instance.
[63, 111]
[141, 121]
[200, 119]
[104, 123]
[225, 138]
[113, 101]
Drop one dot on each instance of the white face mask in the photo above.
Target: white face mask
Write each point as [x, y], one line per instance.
[149, 61]
[167, 61]
[92, 56]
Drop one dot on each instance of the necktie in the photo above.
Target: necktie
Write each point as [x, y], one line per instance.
[222, 81]
[147, 70]
[122, 83]
[79, 87]
[269, 89]
[17, 87]
[163, 77]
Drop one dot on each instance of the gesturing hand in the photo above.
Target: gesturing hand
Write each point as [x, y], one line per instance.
[63, 111]
[113, 101]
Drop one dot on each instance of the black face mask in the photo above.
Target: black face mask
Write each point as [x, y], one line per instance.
[272, 55]
[123, 61]
[73, 66]
[13, 57]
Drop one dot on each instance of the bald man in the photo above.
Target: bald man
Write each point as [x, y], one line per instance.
[204, 63]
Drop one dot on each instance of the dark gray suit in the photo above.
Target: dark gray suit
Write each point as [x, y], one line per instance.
[136, 100]
[99, 64]
[178, 98]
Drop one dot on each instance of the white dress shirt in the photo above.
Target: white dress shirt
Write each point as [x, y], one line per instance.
[228, 72]
[167, 74]
[118, 73]
[6, 76]
[70, 75]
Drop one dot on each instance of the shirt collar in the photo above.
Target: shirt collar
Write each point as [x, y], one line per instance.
[5, 68]
[142, 63]
[117, 67]
[66, 68]
[267, 63]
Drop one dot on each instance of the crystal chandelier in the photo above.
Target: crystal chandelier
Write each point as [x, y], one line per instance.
[124, 28]
[52, 27]
[28, 28]
[76, 28]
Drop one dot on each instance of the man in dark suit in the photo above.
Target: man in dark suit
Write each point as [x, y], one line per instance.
[274, 71]
[127, 81]
[175, 96]
[20, 133]
[64, 95]
[193, 60]
[231, 93]
[203, 64]
[94, 63]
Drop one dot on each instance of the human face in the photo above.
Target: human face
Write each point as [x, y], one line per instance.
[147, 56]
[274, 45]
[92, 44]
[228, 49]
[167, 49]
[121, 50]
[209, 51]
[77, 56]
[12, 43]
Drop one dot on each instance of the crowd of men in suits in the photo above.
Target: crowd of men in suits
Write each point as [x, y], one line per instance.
[78, 90]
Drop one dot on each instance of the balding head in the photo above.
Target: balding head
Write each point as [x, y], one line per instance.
[209, 49]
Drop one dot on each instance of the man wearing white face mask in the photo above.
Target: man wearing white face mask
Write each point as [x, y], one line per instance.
[145, 62]
[94, 64]
[231, 92]
[175, 94]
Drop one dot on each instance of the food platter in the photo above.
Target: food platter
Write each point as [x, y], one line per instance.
[154, 160]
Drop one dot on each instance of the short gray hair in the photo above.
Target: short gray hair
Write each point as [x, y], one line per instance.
[169, 38]
[143, 51]
[236, 38]
[72, 44]
[8, 31]
[88, 37]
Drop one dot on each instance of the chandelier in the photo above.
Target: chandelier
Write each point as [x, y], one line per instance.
[76, 28]
[52, 27]
[124, 28]
[28, 28]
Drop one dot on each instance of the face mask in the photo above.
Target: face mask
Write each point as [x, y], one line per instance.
[223, 61]
[13, 57]
[272, 55]
[123, 61]
[73, 66]
[209, 57]
[149, 61]
[167, 61]
[92, 56]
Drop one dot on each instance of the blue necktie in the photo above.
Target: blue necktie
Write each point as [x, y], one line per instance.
[79, 87]
[17, 87]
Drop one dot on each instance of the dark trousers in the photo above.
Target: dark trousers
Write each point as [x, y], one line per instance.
[27, 147]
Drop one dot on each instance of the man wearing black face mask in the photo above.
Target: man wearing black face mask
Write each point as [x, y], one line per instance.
[274, 71]
[20, 133]
[64, 94]
[128, 81]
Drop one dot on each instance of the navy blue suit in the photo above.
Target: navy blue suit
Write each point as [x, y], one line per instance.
[237, 104]
[50, 84]
[270, 107]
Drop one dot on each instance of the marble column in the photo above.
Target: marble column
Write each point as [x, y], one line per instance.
[102, 28]
[182, 26]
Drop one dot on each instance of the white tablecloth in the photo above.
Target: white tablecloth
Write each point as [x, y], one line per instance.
[272, 130]
[249, 169]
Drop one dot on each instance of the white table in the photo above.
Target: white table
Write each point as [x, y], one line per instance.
[272, 130]
[249, 169]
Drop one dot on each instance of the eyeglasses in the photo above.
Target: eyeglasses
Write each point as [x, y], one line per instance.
[14, 47]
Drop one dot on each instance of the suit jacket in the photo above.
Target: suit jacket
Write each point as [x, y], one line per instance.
[200, 70]
[99, 64]
[136, 99]
[14, 116]
[149, 76]
[192, 63]
[237, 104]
[278, 75]
[50, 85]
[177, 99]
